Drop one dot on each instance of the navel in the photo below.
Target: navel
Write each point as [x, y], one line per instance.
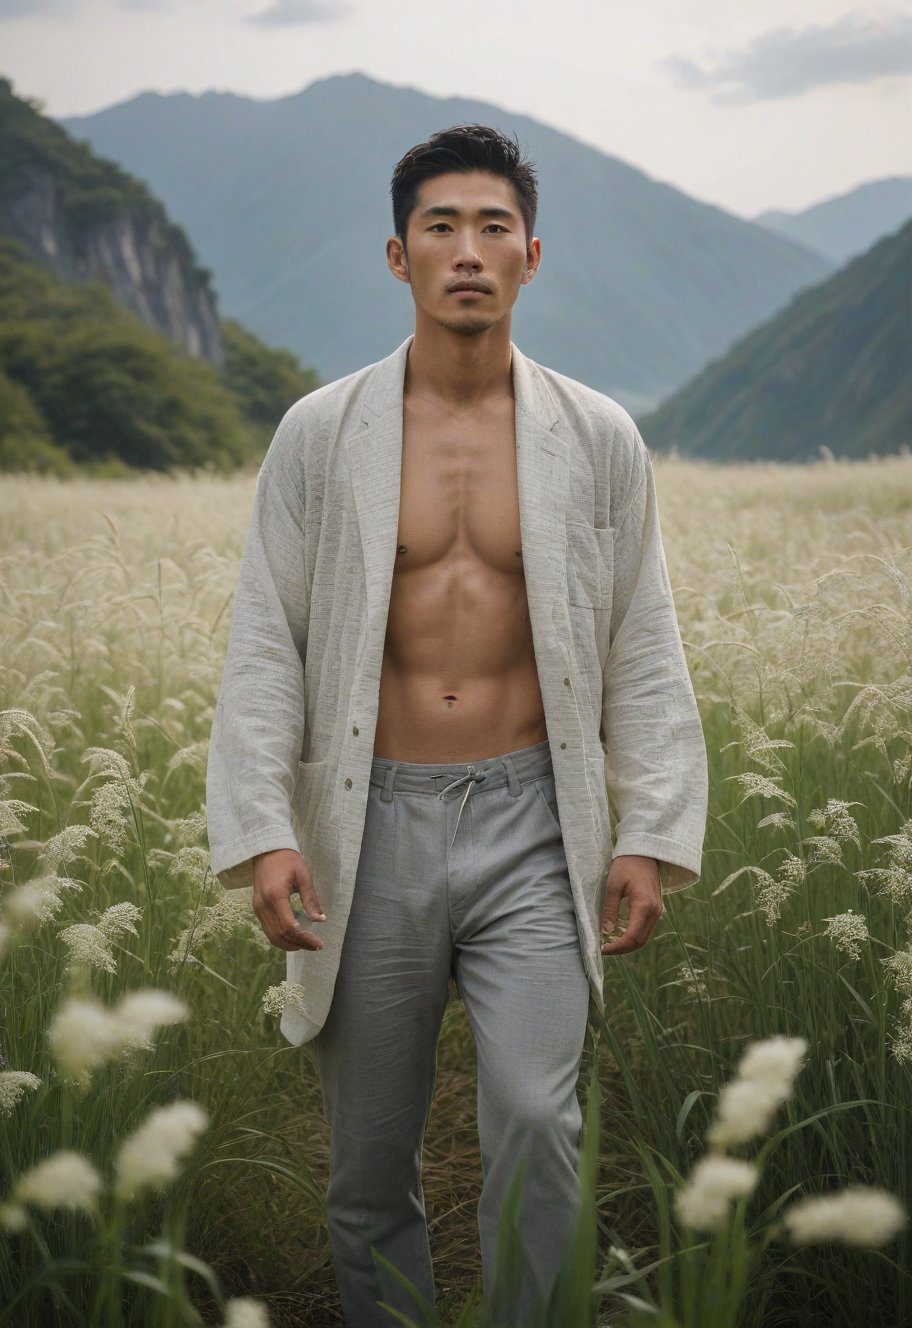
[403, 548]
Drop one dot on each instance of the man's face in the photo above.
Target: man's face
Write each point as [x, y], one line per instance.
[466, 253]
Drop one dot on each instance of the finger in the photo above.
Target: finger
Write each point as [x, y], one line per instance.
[281, 927]
[644, 914]
[610, 908]
[308, 897]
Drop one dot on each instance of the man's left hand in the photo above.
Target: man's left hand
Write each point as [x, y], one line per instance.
[635, 881]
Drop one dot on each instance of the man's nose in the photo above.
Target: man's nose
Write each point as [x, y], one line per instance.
[467, 255]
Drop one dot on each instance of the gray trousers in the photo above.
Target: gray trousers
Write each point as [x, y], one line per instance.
[462, 873]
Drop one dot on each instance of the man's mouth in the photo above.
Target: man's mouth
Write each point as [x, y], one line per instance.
[474, 287]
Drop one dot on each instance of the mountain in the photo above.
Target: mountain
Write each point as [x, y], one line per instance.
[831, 370]
[841, 228]
[85, 219]
[287, 201]
[112, 353]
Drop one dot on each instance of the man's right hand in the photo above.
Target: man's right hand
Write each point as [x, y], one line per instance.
[276, 877]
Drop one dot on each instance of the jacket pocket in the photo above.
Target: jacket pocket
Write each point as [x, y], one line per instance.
[590, 565]
[307, 803]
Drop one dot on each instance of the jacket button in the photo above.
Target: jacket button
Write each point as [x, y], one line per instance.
[563, 746]
[355, 730]
[348, 783]
[566, 682]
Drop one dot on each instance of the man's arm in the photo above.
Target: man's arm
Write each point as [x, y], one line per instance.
[258, 727]
[656, 755]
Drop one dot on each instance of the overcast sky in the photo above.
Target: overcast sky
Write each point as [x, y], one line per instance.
[747, 105]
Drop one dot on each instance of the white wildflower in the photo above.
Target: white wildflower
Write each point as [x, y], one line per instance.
[140, 1013]
[87, 944]
[13, 1083]
[34, 902]
[896, 878]
[13, 1217]
[245, 1312]
[847, 931]
[760, 786]
[860, 1215]
[191, 861]
[792, 869]
[823, 848]
[66, 846]
[780, 820]
[774, 1061]
[690, 977]
[12, 811]
[64, 1180]
[766, 1073]
[105, 761]
[757, 743]
[150, 1157]
[224, 917]
[83, 1034]
[771, 895]
[282, 996]
[836, 820]
[187, 829]
[118, 920]
[195, 756]
[715, 1182]
[899, 965]
[744, 1110]
[901, 1039]
[106, 811]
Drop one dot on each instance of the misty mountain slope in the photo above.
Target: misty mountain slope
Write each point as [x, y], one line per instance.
[287, 202]
[843, 227]
[831, 370]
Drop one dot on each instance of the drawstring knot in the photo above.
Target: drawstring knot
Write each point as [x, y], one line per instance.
[470, 778]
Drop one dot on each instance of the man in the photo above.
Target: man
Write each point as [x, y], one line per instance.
[453, 655]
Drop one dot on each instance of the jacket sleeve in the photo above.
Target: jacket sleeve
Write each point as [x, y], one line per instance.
[655, 752]
[258, 726]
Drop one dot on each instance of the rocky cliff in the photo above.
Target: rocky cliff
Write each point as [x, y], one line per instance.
[86, 219]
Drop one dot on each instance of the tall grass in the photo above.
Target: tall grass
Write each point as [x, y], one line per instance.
[794, 591]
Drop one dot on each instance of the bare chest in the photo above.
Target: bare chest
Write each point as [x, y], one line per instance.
[458, 496]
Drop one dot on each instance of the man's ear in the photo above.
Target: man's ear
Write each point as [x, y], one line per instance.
[533, 258]
[397, 259]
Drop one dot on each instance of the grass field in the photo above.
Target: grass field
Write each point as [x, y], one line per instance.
[794, 593]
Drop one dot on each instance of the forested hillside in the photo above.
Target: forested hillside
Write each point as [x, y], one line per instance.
[830, 371]
[112, 353]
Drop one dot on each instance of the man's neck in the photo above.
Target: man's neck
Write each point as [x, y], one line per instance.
[459, 371]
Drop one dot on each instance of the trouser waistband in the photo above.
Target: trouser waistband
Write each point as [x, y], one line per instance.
[490, 772]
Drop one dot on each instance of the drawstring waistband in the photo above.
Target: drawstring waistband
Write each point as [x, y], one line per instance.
[511, 770]
[468, 779]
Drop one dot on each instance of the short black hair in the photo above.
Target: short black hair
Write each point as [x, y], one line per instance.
[464, 148]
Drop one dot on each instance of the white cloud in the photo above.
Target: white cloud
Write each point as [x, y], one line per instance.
[785, 62]
[291, 13]
[12, 9]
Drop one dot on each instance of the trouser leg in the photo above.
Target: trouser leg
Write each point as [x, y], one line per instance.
[377, 1057]
[520, 973]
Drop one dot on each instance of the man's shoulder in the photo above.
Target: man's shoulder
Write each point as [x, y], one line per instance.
[582, 406]
[330, 402]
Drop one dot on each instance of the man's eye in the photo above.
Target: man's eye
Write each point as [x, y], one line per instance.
[496, 226]
[440, 226]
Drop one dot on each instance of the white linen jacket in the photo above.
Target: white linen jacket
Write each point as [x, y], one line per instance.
[293, 731]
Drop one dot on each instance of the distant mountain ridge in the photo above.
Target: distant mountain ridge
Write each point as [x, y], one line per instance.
[287, 202]
[845, 226]
[85, 219]
[830, 370]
